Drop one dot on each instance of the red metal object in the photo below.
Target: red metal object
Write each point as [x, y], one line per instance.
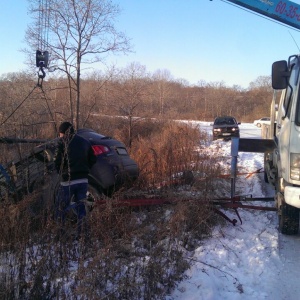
[136, 202]
[249, 174]
[234, 203]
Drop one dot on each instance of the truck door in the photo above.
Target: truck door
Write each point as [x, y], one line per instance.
[285, 125]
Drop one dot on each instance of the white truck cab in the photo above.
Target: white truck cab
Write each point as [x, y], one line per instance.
[282, 166]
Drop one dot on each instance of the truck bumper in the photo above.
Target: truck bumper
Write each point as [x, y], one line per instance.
[292, 196]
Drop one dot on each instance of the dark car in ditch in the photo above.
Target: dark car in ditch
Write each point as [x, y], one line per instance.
[113, 170]
[225, 127]
[114, 167]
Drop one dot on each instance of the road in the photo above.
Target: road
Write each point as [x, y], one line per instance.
[247, 130]
[264, 262]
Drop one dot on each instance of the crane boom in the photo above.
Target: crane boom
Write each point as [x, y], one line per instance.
[284, 11]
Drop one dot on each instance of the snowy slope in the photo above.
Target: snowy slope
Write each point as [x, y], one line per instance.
[251, 260]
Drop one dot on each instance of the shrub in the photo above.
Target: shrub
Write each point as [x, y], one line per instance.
[127, 253]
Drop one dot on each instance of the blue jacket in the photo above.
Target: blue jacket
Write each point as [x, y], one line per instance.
[73, 157]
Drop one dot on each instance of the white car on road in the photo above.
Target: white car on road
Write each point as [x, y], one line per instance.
[265, 120]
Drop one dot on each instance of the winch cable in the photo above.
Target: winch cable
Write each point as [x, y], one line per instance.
[38, 85]
[43, 39]
[18, 106]
[43, 24]
[43, 36]
[48, 107]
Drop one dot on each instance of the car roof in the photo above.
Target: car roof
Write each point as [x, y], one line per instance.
[225, 118]
[94, 137]
[90, 133]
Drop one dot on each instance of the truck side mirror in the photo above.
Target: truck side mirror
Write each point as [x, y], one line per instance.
[280, 75]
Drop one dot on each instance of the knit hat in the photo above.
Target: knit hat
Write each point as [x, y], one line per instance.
[66, 126]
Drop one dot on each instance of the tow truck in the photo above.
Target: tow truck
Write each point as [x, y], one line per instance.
[280, 140]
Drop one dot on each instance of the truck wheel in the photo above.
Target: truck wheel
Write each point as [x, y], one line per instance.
[288, 219]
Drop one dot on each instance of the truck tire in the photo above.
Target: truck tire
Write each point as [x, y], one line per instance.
[288, 219]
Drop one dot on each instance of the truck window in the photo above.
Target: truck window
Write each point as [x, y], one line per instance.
[290, 89]
[297, 115]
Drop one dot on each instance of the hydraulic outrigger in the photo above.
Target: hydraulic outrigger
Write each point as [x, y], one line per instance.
[235, 202]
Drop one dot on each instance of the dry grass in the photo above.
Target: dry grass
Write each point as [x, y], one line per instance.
[126, 253]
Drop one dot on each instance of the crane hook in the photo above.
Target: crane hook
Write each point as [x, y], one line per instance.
[41, 62]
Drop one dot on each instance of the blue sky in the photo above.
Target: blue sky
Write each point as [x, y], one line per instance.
[193, 39]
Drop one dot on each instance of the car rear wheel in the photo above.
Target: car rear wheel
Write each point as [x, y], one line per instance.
[258, 125]
[94, 195]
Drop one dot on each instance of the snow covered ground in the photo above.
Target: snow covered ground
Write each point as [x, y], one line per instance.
[251, 260]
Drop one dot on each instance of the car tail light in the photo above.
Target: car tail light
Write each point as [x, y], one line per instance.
[100, 149]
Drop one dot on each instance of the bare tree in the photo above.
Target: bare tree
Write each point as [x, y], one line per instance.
[129, 93]
[261, 82]
[260, 94]
[163, 87]
[77, 33]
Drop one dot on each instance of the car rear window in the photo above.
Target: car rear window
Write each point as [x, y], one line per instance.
[224, 121]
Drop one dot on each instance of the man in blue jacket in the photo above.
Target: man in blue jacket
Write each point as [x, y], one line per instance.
[73, 159]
